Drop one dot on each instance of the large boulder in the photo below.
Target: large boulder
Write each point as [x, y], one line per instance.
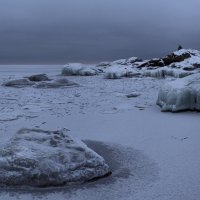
[35, 157]
[181, 94]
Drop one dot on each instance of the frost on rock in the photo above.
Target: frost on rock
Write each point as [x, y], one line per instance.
[74, 69]
[35, 157]
[181, 94]
[19, 83]
[119, 71]
[61, 82]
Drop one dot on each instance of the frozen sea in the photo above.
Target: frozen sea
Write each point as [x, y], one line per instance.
[153, 155]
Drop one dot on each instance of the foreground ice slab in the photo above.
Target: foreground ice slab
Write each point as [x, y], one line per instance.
[48, 158]
[181, 94]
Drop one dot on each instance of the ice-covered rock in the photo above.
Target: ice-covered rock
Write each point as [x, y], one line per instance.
[119, 71]
[119, 62]
[23, 82]
[166, 71]
[133, 95]
[133, 60]
[60, 82]
[128, 61]
[35, 157]
[73, 69]
[39, 77]
[103, 64]
[181, 94]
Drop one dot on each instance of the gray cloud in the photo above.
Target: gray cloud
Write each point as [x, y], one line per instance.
[49, 31]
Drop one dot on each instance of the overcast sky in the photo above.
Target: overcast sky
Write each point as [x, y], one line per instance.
[61, 31]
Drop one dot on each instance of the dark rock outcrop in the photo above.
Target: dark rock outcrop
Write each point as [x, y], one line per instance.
[39, 77]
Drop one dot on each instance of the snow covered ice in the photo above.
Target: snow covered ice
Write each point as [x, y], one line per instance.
[36, 157]
[152, 154]
[181, 94]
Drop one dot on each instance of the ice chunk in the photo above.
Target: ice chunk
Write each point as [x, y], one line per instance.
[19, 83]
[73, 69]
[181, 94]
[37, 157]
[119, 71]
[60, 82]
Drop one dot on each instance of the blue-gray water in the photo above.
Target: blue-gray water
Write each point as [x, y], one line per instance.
[60, 31]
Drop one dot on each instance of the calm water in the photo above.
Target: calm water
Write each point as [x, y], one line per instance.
[49, 31]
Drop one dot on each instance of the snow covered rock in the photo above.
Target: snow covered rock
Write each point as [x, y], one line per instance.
[38, 77]
[181, 94]
[61, 82]
[35, 157]
[185, 59]
[119, 62]
[19, 83]
[73, 69]
[119, 71]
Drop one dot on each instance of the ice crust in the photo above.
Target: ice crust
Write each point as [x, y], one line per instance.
[180, 94]
[35, 157]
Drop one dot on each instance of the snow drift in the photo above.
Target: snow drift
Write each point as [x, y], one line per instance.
[181, 94]
[36, 157]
